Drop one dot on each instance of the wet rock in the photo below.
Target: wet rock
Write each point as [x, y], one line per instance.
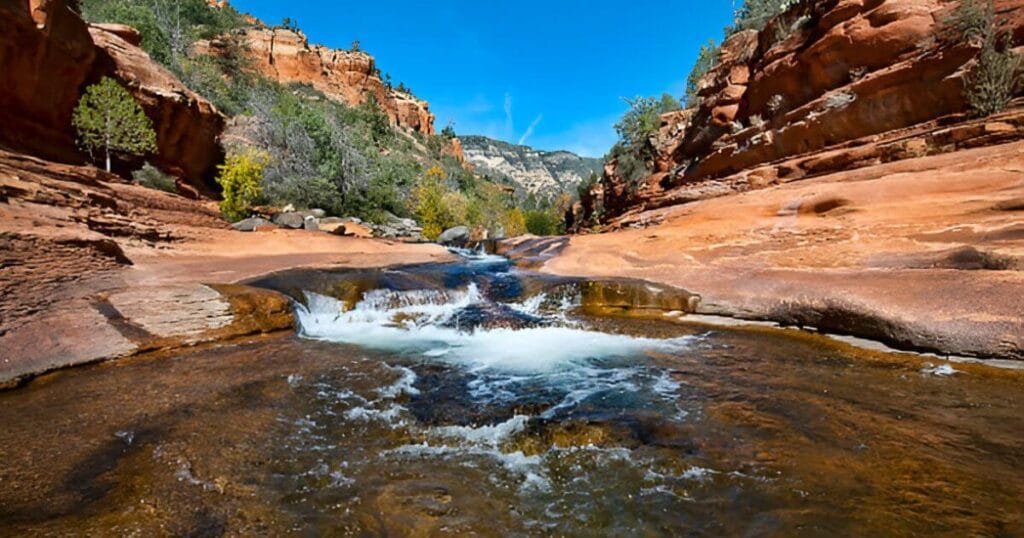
[492, 316]
[456, 236]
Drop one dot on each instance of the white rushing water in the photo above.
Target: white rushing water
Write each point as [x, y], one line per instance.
[572, 369]
[413, 323]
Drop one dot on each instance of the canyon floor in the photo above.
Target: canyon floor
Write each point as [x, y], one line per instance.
[924, 254]
[94, 268]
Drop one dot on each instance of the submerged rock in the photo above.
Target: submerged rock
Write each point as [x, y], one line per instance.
[492, 316]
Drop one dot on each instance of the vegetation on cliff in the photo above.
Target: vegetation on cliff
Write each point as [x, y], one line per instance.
[990, 85]
[633, 152]
[108, 120]
[794, 78]
[315, 151]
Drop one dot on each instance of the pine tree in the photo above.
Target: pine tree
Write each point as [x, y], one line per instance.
[107, 118]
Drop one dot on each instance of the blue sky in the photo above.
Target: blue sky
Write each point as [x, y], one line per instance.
[550, 74]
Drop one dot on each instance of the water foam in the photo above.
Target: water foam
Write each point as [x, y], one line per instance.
[411, 323]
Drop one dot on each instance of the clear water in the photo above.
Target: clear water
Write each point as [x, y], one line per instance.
[474, 400]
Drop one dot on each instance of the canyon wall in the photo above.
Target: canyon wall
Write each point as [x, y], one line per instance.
[827, 86]
[48, 56]
[345, 76]
[544, 173]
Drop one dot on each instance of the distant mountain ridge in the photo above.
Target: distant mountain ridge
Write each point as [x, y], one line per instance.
[543, 173]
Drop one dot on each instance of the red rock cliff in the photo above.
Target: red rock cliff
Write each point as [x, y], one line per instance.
[827, 86]
[48, 55]
[346, 76]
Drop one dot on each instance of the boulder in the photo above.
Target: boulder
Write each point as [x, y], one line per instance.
[252, 224]
[353, 229]
[294, 221]
[310, 223]
[456, 236]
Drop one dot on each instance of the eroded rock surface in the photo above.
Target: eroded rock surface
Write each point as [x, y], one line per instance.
[923, 254]
[826, 87]
[48, 56]
[94, 268]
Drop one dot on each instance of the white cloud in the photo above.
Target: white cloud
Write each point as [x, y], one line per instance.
[529, 130]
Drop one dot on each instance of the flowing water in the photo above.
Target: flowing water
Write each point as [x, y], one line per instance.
[470, 399]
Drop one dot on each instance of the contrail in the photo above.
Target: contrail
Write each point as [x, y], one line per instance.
[529, 130]
[509, 125]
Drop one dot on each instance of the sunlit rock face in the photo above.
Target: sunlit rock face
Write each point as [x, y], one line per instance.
[825, 87]
[533, 171]
[48, 55]
[342, 75]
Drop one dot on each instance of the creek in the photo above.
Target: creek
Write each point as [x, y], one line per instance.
[474, 398]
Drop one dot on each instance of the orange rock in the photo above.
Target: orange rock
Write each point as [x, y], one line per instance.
[187, 125]
[48, 55]
[824, 86]
[345, 76]
[453, 148]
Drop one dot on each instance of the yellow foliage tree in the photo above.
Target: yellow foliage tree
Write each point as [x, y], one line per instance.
[241, 178]
[514, 222]
[429, 203]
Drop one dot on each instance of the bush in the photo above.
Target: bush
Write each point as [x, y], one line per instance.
[990, 85]
[514, 222]
[706, 60]
[973, 20]
[208, 77]
[543, 222]
[240, 177]
[430, 208]
[153, 178]
[643, 119]
[630, 164]
[755, 14]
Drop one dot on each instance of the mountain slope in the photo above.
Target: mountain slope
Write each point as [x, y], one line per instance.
[544, 173]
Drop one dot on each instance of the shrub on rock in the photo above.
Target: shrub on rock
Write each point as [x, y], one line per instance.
[240, 177]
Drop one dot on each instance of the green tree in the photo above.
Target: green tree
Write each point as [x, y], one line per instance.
[755, 14]
[107, 118]
[705, 61]
[643, 119]
[240, 178]
[448, 132]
